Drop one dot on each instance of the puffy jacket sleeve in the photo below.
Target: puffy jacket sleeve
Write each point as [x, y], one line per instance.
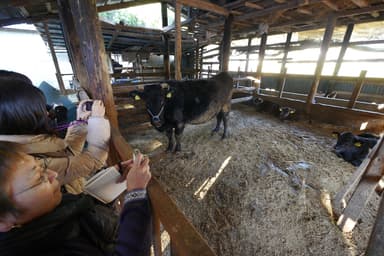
[75, 137]
[134, 236]
[92, 158]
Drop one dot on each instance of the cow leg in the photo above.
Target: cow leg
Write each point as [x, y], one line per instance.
[219, 118]
[169, 133]
[178, 133]
[225, 122]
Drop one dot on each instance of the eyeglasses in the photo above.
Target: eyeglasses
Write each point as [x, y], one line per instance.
[43, 178]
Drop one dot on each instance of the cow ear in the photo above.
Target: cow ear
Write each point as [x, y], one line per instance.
[136, 95]
[357, 144]
[164, 86]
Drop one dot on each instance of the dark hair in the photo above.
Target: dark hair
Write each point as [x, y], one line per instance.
[11, 75]
[22, 108]
[10, 154]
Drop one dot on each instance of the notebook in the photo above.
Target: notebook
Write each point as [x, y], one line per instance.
[103, 186]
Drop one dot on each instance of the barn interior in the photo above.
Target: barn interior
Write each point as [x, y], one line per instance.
[275, 188]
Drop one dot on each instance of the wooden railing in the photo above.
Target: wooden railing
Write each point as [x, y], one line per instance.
[185, 239]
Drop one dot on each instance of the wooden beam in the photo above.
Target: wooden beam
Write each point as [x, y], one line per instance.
[94, 55]
[304, 11]
[376, 242]
[344, 46]
[253, 5]
[123, 5]
[280, 1]
[319, 67]
[357, 89]
[55, 62]
[247, 56]
[274, 8]
[164, 16]
[28, 20]
[331, 5]
[205, 5]
[72, 42]
[227, 37]
[178, 50]
[361, 3]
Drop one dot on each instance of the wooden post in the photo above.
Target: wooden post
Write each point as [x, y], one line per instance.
[226, 43]
[201, 61]
[72, 42]
[247, 56]
[178, 49]
[320, 63]
[164, 16]
[83, 15]
[197, 60]
[357, 89]
[53, 53]
[282, 82]
[376, 240]
[347, 37]
[263, 44]
[156, 233]
[286, 50]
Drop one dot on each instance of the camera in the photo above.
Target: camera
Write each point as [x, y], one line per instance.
[88, 105]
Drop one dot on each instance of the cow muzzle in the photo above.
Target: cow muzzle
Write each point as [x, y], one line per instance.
[156, 120]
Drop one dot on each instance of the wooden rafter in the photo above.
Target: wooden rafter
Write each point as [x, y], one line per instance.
[361, 3]
[331, 5]
[253, 5]
[112, 7]
[304, 11]
[205, 5]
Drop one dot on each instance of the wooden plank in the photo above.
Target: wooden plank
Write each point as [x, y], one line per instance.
[205, 5]
[320, 63]
[364, 189]
[357, 89]
[282, 82]
[253, 5]
[376, 239]
[178, 50]
[304, 11]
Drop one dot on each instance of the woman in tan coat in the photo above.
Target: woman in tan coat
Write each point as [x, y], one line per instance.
[24, 119]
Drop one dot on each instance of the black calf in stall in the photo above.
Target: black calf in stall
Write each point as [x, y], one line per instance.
[283, 113]
[354, 148]
[172, 104]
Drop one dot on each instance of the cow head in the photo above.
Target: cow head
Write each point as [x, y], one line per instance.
[155, 97]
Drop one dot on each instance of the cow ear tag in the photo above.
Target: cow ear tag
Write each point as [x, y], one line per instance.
[169, 95]
[357, 144]
[292, 111]
[280, 109]
[137, 97]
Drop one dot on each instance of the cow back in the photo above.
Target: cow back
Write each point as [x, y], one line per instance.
[200, 100]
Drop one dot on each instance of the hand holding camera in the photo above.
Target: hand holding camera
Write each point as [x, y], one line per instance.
[89, 108]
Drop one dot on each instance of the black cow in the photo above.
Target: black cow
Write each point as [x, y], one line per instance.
[354, 148]
[172, 104]
[283, 113]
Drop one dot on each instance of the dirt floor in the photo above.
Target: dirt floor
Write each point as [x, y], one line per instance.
[259, 191]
